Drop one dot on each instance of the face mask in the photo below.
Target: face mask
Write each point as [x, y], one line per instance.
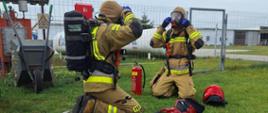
[175, 19]
[176, 16]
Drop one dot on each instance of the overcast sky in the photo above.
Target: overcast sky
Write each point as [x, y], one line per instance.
[234, 5]
[241, 13]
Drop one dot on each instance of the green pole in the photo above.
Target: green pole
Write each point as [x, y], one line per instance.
[5, 5]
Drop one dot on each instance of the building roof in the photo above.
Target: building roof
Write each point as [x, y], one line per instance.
[235, 29]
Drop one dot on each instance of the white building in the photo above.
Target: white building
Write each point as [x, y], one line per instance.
[241, 36]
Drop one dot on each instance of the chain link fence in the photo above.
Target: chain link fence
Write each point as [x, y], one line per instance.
[244, 28]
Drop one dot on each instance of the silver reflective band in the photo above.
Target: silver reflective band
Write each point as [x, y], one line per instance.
[180, 67]
[75, 57]
[74, 38]
[99, 73]
[74, 27]
[73, 18]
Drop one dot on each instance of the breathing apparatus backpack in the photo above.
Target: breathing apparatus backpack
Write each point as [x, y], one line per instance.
[78, 41]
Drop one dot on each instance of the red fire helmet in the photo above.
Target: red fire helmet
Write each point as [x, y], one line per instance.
[184, 106]
[214, 95]
[169, 110]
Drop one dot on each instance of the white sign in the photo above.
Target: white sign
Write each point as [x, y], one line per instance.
[43, 21]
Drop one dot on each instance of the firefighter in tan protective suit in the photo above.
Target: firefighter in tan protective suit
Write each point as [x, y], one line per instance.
[179, 42]
[118, 27]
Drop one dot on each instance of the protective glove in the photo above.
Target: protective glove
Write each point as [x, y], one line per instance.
[126, 9]
[166, 22]
[151, 43]
[184, 22]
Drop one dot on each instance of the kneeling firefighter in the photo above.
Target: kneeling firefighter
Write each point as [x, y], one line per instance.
[115, 27]
[180, 41]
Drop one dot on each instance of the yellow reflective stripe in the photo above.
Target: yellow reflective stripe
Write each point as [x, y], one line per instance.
[115, 27]
[99, 79]
[179, 72]
[112, 109]
[177, 39]
[96, 51]
[157, 36]
[129, 17]
[164, 36]
[115, 109]
[94, 32]
[195, 35]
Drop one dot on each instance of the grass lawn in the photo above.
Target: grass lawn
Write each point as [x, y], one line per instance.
[253, 50]
[244, 83]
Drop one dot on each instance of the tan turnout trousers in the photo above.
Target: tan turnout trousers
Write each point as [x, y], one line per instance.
[166, 85]
[115, 101]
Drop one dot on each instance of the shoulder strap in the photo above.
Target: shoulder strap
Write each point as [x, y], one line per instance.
[168, 35]
[190, 55]
[186, 36]
[188, 44]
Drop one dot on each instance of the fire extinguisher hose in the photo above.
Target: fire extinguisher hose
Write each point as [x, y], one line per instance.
[144, 76]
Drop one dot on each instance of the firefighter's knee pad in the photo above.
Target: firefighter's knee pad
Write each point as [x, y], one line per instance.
[189, 93]
[84, 104]
[156, 92]
[186, 94]
[161, 94]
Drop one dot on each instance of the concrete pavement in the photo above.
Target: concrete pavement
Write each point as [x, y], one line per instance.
[213, 53]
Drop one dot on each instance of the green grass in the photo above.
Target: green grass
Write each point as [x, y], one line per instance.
[253, 50]
[244, 83]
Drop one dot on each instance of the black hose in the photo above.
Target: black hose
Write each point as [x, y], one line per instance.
[144, 76]
[143, 71]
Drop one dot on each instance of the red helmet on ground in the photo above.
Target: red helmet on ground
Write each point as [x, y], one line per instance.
[169, 110]
[214, 95]
[184, 106]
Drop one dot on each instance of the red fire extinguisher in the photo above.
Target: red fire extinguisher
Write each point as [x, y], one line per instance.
[136, 79]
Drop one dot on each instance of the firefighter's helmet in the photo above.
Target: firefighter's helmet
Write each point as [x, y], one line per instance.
[181, 10]
[111, 10]
[214, 95]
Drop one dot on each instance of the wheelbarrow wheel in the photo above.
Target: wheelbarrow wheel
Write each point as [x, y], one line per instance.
[37, 81]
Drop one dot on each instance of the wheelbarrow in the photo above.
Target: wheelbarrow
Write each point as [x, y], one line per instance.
[31, 58]
[28, 67]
